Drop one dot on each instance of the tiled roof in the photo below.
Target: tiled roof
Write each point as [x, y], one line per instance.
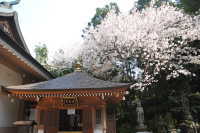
[75, 80]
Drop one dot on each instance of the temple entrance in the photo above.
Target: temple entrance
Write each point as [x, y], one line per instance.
[70, 120]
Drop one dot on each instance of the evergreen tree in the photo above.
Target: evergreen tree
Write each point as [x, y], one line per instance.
[100, 15]
[190, 6]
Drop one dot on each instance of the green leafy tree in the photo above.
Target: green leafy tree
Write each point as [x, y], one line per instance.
[102, 12]
[41, 53]
[190, 6]
[178, 97]
[100, 15]
[141, 4]
[59, 66]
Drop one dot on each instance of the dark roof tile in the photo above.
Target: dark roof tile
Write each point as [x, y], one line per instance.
[76, 80]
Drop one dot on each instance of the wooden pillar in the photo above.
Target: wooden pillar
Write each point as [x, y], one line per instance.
[48, 119]
[111, 121]
[104, 122]
[51, 121]
[88, 120]
[93, 118]
[21, 110]
[37, 116]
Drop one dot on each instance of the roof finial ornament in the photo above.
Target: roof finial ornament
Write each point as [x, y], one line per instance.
[78, 67]
[9, 5]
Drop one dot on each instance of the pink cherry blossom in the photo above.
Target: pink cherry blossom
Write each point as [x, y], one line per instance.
[148, 35]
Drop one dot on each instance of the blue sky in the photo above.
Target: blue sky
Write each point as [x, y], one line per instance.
[59, 23]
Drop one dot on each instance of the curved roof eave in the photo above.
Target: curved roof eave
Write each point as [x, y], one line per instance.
[22, 52]
[16, 23]
[19, 31]
[23, 56]
[73, 81]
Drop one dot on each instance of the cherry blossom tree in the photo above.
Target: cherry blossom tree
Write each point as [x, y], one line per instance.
[158, 38]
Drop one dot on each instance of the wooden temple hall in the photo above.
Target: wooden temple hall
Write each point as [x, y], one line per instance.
[74, 103]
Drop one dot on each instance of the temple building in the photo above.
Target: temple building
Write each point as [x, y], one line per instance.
[74, 103]
[17, 67]
[29, 96]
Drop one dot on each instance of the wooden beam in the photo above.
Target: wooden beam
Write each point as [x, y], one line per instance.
[9, 59]
[3, 90]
